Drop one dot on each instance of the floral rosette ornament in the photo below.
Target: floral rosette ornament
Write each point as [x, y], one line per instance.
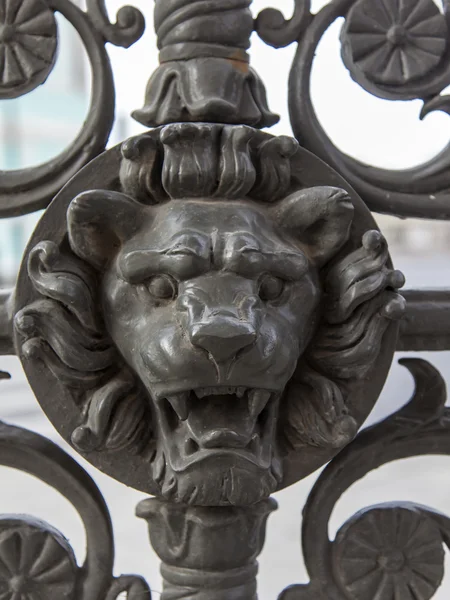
[28, 42]
[393, 42]
[36, 562]
[389, 552]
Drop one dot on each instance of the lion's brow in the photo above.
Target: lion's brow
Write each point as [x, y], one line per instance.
[282, 262]
[138, 265]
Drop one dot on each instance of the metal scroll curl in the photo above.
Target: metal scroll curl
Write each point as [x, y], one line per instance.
[396, 50]
[28, 45]
[279, 32]
[36, 561]
[386, 551]
[127, 29]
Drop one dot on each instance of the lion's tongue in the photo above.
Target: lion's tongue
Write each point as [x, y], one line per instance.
[221, 420]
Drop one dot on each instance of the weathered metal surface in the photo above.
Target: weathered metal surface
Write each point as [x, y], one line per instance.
[426, 324]
[204, 73]
[426, 313]
[208, 313]
[240, 289]
[208, 550]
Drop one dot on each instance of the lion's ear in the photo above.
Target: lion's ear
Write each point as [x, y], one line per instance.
[319, 217]
[99, 221]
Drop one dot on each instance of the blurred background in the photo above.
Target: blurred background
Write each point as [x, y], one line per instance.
[36, 127]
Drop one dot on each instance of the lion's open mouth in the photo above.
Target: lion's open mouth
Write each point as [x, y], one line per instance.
[219, 421]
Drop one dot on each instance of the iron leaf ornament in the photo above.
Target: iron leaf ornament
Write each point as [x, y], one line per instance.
[204, 73]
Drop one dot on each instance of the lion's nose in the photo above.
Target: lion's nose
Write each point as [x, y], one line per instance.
[223, 337]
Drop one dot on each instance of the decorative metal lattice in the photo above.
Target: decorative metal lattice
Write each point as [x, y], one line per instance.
[208, 313]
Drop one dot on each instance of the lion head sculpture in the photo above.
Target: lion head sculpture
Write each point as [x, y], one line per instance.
[209, 314]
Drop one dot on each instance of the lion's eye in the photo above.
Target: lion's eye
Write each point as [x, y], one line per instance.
[270, 288]
[162, 287]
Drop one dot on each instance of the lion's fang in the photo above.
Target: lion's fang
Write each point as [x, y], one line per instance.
[179, 403]
[220, 391]
[257, 401]
[254, 444]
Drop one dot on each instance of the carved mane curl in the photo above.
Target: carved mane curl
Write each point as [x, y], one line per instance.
[66, 331]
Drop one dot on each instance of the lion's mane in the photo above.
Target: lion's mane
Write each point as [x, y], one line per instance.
[64, 328]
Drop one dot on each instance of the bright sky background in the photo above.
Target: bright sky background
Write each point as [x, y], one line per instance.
[383, 133]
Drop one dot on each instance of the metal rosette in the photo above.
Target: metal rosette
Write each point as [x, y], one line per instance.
[389, 549]
[28, 44]
[396, 49]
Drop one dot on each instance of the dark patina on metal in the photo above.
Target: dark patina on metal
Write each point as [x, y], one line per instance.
[204, 73]
[239, 312]
[208, 313]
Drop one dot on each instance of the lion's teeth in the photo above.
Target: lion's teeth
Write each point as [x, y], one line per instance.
[159, 467]
[254, 444]
[179, 403]
[257, 400]
[220, 391]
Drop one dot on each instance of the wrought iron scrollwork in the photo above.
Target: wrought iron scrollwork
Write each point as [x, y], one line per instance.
[127, 29]
[396, 51]
[389, 547]
[28, 42]
[279, 32]
[36, 561]
[208, 313]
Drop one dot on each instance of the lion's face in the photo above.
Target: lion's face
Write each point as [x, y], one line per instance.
[212, 327]
[202, 302]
